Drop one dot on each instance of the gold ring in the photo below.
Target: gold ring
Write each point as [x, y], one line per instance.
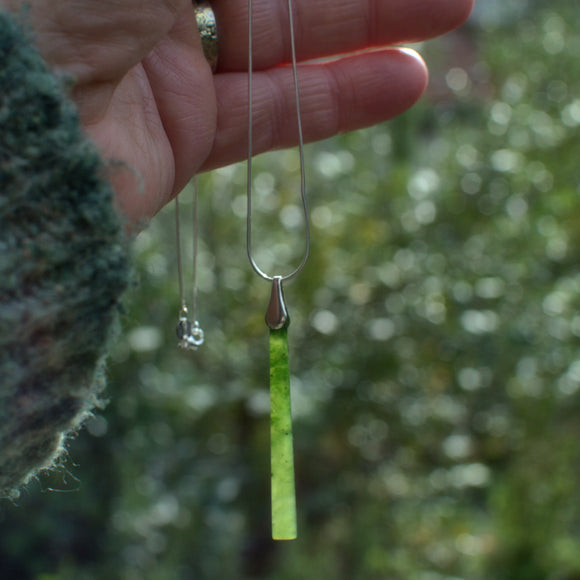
[207, 26]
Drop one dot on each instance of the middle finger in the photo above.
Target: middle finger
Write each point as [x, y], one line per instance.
[328, 27]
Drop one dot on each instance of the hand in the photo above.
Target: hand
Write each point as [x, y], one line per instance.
[148, 98]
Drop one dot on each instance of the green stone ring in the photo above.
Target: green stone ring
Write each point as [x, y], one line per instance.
[207, 26]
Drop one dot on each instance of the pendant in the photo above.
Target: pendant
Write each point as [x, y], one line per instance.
[281, 445]
[282, 456]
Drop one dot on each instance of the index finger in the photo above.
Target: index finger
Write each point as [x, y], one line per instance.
[328, 27]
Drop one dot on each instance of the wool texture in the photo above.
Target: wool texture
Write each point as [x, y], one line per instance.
[64, 264]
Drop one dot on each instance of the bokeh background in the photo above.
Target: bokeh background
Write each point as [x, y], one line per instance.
[434, 351]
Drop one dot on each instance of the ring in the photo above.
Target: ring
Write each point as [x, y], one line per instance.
[207, 26]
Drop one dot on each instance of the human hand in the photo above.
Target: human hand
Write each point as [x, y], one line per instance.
[148, 98]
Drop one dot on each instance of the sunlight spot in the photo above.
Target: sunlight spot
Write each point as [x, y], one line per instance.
[467, 156]
[471, 183]
[325, 321]
[489, 288]
[469, 379]
[501, 113]
[457, 80]
[425, 212]
[470, 475]
[292, 217]
[145, 338]
[239, 206]
[571, 114]
[516, 207]
[424, 183]
[555, 303]
[322, 216]
[506, 160]
[458, 446]
[381, 329]
[479, 321]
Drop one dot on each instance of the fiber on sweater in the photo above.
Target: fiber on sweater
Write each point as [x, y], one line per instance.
[64, 264]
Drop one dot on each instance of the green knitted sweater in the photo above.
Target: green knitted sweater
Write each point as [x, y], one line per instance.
[64, 264]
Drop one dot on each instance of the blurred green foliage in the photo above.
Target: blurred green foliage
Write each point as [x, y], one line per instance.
[434, 352]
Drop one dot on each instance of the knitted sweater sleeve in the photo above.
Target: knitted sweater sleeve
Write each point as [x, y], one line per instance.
[64, 264]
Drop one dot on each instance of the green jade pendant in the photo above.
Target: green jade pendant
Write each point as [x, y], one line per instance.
[281, 447]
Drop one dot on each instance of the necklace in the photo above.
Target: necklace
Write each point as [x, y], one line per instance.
[189, 332]
[283, 494]
[191, 335]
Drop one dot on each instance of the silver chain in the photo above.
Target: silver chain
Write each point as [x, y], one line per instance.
[255, 266]
[189, 331]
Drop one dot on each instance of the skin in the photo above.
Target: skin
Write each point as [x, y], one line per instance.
[148, 99]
